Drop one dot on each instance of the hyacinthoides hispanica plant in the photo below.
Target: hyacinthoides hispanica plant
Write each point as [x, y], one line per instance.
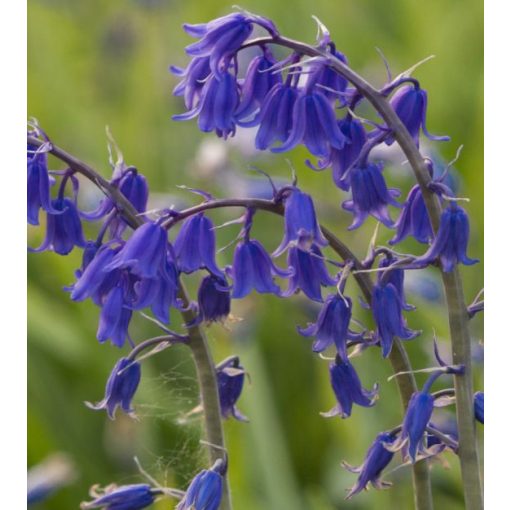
[309, 97]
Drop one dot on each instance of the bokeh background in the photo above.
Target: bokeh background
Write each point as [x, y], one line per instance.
[98, 63]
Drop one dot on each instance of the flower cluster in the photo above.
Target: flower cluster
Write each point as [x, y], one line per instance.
[138, 258]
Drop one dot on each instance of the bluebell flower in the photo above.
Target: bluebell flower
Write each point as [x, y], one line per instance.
[370, 195]
[38, 185]
[276, 116]
[410, 104]
[300, 221]
[230, 375]
[414, 219]
[341, 160]
[158, 293]
[120, 388]
[331, 83]
[347, 389]
[213, 299]
[195, 245]
[314, 125]
[94, 278]
[114, 317]
[416, 420]
[144, 253]
[221, 38]
[63, 229]
[125, 497]
[394, 277]
[478, 398]
[259, 80]
[450, 243]
[252, 268]
[309, 272]
[376, 459]
[205, 490]
[332, 326]
[387, 311]
[216, 106]
[193, 80]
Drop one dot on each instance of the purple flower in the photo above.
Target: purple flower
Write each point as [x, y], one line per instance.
[347, 389]
[300, 221]
[394, 277]
[114, 318]
[259, 80]
[276, 116]
[158, 293]
[450, 243]
[144, 253]
[370, 195]
[205, 490]
[120, 388]
[414, 219]
[94, 279]
[309, 272]
[253, 268]
[314, 125]
[213, 299]
[38, 185]
[387, 311]
[126, 497]
[340, 160]
[376, 459]
[331, 83]
[230, 375]
[63, 228]
[410, 104]
[416, 420]
[478, 399]
[216, 106]
[193, 80]
[220, 39]
[332, 326]
[195, 245]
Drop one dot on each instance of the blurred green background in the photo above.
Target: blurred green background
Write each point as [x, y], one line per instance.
[98, 63]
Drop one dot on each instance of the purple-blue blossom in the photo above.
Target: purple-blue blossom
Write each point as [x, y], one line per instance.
[414, 219]
[332, 325]
[253, 269]
[125, 497]
[205, 490]
[230, 376]
[410, 104]
[300, 221]
[120, 388]
[115, 316]
[195, 245]
[347, 389]
[376, 459]
[63, 228]
[370, 195]
[309, 272]
[213, 299]
[387, 309]
[450, 243]
[479, 407]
